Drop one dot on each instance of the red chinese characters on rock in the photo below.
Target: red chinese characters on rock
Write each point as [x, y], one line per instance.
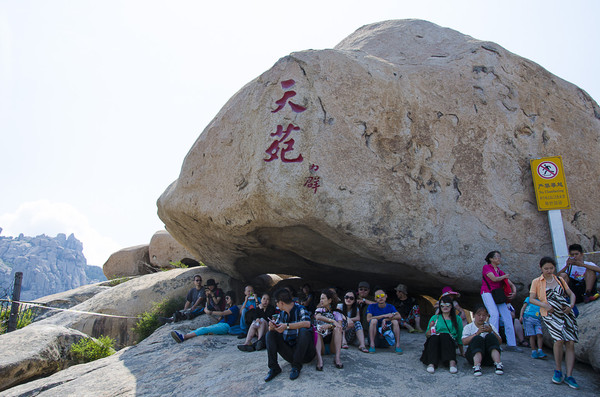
[313, 182]
[274, 149]
[280, 148]
[285, 98]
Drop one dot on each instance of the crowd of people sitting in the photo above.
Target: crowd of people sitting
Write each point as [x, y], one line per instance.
[302, 327]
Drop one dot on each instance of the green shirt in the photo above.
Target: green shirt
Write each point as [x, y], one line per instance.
[447, 327]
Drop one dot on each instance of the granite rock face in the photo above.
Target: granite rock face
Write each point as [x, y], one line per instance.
[403, 154]
[164, 249]
[130, 261]
[35, 351]
[49, 264]
[131, 299]
[160, 367]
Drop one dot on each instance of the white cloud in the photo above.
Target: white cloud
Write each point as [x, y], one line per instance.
[44, 217]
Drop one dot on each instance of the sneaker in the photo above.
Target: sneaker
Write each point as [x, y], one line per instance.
[477, 370]
[499, 369]
[513, 349]
[453, 370]
[430, 368]
[558, 377]
[590, 298]
[541, 354]
[399, 351]
[178, 336]
[371, 350]
[534, 354]
[569, 380]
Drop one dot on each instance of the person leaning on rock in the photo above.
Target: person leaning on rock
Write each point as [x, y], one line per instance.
[214, 296]
[194, 304]
[228, 318]
[289, 335]
[581, 275]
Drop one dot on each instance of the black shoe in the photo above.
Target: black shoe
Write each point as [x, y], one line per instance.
[273, 372]
[246, 348]
[294, 373]
[177, 317]
[242, 336]
[165, 320]
[260, 344]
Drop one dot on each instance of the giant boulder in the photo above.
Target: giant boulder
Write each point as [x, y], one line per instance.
[403, 154]
[119, 306]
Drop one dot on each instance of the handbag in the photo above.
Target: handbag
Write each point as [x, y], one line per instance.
[497, 294]
[324, 328]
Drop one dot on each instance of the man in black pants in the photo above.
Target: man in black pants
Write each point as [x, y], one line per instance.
[290, 336]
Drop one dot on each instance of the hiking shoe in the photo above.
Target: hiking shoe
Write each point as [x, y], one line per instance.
[513, 349]
[477, 370]
[541, 354]
[534, 354]
[569, 380]
[430, 368]
[558, 377]
[178, 336]
[499, 369]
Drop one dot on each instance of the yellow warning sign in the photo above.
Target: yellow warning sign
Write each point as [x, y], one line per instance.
[550, 184]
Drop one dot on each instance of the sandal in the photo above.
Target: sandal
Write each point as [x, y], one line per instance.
[363, 349]
[344, 346]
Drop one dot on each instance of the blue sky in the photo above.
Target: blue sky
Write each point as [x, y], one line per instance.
[101, 100]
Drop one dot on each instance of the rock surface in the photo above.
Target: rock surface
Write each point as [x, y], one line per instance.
[164, 249]
[35, 351]
[420, 138]
[68, 299]
[49, 264]
[131, 299]
[130, 261]
[212, 365]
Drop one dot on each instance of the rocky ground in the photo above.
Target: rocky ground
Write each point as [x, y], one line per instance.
[213, 365]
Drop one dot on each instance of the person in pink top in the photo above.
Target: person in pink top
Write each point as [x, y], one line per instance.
[493, 278]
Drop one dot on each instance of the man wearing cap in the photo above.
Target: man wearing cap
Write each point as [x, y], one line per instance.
[194, 303]
[214, 296]
[363, 301]
[408, 309]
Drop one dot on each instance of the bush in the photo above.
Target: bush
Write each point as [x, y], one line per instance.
[114, 281]
[179, 265]
[89, 349]
[25, 318]
[148, 321]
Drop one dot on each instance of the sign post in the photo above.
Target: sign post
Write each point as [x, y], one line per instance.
[551, 194]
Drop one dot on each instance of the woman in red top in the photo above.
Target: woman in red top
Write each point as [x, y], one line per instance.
[493, 278]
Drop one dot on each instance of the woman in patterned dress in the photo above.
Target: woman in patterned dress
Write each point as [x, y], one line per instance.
[548, 292]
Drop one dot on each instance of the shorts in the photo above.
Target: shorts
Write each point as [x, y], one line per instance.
[532, 325]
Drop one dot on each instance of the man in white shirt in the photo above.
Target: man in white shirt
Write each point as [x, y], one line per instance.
[580, 274]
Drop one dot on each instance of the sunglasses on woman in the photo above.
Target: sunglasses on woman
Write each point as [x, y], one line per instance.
[445, 304]
[348, 297]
